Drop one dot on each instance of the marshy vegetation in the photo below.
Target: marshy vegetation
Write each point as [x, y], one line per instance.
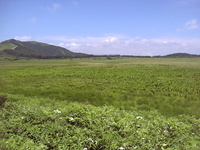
[127, 103]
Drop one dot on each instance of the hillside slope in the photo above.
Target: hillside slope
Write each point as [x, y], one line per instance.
[181, 55]
[35, 49]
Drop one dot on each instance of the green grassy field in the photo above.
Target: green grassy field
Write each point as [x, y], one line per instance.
[130, 103]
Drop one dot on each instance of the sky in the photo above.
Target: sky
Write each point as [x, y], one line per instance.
[125, 27]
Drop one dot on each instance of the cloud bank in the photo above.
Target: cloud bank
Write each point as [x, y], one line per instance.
[122, 45]
[128, 46]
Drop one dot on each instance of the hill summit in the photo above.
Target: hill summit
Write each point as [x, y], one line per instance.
[181, 55]
[35, 49]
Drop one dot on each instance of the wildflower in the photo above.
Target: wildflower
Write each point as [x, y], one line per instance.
[57, 111]
[89, 140]
[22, 117]
[121, 148]
[71, 119]
[137, 125]
[114, 123]
[164, 145]
[84, 148]
[139, 117]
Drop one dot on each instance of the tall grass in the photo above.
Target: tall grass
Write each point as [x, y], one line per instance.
[99, 104]
[38, 123]
[171, 90]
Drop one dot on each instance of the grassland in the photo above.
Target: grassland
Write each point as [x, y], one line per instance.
[130, 103]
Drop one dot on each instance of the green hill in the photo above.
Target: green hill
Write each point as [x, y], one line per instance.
[35, 50]
[181, 55]
[31, 49]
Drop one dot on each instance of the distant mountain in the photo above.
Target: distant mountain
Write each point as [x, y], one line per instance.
[15, 49]
[34, 49]
[181, 55]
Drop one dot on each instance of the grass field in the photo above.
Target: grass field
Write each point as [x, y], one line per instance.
[96, 103]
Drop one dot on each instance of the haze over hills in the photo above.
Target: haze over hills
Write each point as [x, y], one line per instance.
[33, 49]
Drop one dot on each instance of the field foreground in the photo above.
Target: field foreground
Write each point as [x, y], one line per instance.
[100, 104]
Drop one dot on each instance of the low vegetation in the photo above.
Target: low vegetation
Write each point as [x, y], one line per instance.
[87, 104]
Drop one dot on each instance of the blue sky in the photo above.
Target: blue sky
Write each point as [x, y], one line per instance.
[130, 27]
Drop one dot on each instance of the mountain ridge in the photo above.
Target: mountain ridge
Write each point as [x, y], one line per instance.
[35, 50]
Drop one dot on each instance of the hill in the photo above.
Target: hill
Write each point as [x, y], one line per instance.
[35, 49]
[181, 55]
[13, 49]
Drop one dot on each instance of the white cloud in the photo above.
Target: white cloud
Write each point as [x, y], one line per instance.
[61, 44]
[127, 46]
[70, 45]
[90, 40]
[54, 7]
[190, 25]
[23, 38]
[73, 44]
[110, 40]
